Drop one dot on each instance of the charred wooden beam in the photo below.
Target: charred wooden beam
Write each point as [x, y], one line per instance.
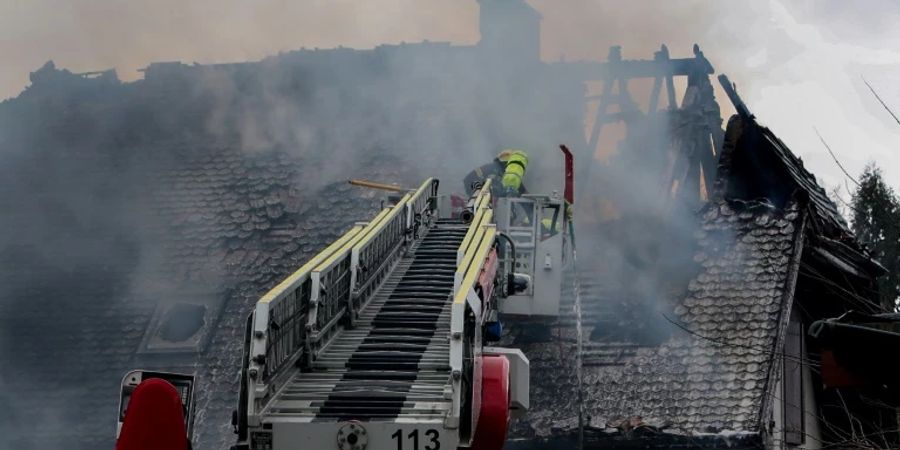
[635, 68]
[739, 104]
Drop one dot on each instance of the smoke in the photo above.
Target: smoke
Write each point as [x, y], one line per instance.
[86, 35]
[77, 171]
[796, 63]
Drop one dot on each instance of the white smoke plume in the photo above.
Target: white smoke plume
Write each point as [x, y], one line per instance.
[797, 65]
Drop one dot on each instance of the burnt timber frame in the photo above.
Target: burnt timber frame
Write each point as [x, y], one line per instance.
[700, 149]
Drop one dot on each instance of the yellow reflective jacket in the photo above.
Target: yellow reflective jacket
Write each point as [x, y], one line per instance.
[516, 164]
[508, 173]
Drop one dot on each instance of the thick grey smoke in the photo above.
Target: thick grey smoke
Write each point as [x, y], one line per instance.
[798, 63]
[86, 35]
[86, 250]
[75, 198]
[73, 237]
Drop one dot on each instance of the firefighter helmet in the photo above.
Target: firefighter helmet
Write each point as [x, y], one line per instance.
[506, 154]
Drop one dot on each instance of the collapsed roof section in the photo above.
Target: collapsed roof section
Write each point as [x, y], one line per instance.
[711, 380]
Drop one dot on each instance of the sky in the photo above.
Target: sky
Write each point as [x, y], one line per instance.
[798, 64]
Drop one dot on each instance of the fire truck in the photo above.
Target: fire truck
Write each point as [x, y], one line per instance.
[382, 341]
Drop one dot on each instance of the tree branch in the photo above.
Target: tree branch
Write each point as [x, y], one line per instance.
[886, 107]
[841, 166]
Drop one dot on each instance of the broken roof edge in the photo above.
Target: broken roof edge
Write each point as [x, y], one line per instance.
[755, 163]
[829, 228]
[745, 124]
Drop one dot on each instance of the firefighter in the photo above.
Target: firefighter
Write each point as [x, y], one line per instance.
[508, 168]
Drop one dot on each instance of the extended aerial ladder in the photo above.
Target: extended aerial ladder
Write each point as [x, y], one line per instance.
[379, 341]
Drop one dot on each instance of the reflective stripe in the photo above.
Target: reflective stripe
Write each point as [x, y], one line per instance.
[475, 262]
[347, 246]
[379, 224]
[292, 281]
[519, 163]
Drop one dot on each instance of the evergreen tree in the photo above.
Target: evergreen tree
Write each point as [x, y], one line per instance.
[876, 222]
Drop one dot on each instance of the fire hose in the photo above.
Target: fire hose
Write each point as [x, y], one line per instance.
[576, 287]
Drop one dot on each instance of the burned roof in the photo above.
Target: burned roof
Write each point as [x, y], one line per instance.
[759, 165]
[711, 375]
[707, 371]
[756, 164]
[825, 211]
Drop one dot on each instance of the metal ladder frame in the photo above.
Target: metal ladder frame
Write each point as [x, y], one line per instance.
[280, 339]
